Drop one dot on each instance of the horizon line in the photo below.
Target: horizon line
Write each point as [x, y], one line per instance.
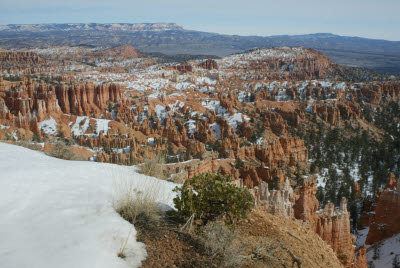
[174, 23]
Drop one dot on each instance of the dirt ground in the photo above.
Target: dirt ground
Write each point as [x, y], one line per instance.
[266, 241]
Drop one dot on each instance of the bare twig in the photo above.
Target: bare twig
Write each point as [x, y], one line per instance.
[294, 257]
[298, 238]
[121, 252]
[188, 223]
[258, 254]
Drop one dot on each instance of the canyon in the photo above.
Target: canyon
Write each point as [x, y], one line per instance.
[237, 116]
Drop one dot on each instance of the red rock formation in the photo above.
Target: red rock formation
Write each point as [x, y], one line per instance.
[27, 102]
[208, 162]
[332, 225]
[183, 68]
[79, 99]
[123, 51]
[20, 57]
[360, 260]
[334, 228]
[209, 64]
[286, 63]
[86, 99]
[355, 190]
[307, 204]
[386, 220]
[276, 202]
[392, 182]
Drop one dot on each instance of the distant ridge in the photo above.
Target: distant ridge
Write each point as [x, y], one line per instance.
[128, 27]
[172, 39]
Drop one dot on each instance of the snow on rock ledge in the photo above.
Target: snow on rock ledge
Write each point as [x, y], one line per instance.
[49, 126]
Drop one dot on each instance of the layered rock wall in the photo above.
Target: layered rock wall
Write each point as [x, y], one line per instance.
[332, 225]
[386, 221]
[276, 202]
[41, 99]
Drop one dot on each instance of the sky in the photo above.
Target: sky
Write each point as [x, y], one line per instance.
[366, 18]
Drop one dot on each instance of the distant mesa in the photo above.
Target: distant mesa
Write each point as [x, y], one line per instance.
[123, 51]
[128, 27]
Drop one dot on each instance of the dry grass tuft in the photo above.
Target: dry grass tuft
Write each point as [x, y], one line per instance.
[221, 242]
[62, 151]
[30, 145]
[137, 203]
[153, 167]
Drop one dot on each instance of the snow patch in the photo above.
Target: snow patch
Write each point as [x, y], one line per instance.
[236, 119]
[161, 113]
[216, 129]
[49, 126]
[214, 105]
[191, 127]
[80, 126]
[102, 125]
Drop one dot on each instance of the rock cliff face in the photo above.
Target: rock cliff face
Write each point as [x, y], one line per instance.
[27, 103]
[273, 155]
[332, 225]
[360, 260]
[307, 204]
[209, 64]
[276, 202]
[20, 57]
[87, 98]
[17, 63]
[41, 99]
[386, 221]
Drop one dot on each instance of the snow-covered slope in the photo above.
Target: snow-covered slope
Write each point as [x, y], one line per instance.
[58, 213]
[385, 253]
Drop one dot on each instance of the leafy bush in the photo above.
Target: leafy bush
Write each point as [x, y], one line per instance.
[212, 196]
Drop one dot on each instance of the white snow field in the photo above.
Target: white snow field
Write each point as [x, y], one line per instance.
[58, 213]
[385, 253]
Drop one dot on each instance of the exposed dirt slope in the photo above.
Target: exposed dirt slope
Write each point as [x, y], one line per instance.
[283, 238]
[263, 228]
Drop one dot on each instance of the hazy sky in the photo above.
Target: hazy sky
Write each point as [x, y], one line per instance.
[366, 18]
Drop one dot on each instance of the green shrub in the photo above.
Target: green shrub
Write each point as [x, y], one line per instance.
[212, 196]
